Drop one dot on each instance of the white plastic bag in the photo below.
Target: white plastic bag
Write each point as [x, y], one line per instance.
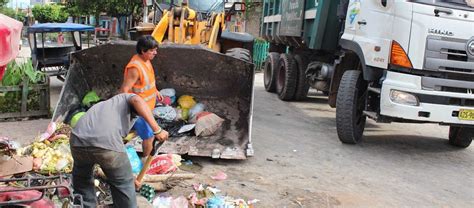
[168, 92]
[165, 112]
[199, 107]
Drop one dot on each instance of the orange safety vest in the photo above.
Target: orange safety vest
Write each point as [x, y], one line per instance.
[145, 87]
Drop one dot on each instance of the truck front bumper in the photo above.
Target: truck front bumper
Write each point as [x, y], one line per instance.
[433, 106]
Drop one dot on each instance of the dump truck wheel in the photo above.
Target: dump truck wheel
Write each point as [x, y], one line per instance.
[350, 104]
[302, 86]
[287, 76]
[460, 136]
[270, 69]
[239, 53]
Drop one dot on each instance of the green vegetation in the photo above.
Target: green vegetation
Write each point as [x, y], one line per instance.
[113, 8]
[20, 16]
[16, 75]
[50, 13]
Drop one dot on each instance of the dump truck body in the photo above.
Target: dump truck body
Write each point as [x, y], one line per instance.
[301, 23]
[222, 83]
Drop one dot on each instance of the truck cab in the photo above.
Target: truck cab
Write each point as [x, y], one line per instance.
[425, 50]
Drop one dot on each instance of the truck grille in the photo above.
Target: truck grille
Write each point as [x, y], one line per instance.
[448, 58]
[448, 55]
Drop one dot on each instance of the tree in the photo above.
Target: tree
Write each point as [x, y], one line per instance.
[113, 8]
[50, 13]
[20, 16]
[3, 3]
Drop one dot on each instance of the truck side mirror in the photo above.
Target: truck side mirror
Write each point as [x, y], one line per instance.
[384, 3]
[239, 6]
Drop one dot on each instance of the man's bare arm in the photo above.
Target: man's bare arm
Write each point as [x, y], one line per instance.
[142, 110]
[130, 79]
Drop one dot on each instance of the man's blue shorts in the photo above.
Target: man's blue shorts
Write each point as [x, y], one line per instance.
[143, 129]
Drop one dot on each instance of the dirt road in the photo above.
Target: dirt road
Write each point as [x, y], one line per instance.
[299, 162]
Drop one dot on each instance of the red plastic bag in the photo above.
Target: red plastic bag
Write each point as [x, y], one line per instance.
[162, 164]
[26, 195]
[10, 34]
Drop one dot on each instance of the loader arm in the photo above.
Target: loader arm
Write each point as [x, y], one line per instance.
[217, 25]
[161, 28]
[180, 25]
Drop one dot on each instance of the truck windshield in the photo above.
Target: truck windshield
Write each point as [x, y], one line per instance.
[206, 5]
[454, 4]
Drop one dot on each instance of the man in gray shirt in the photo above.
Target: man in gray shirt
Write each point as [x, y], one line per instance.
[97, 139]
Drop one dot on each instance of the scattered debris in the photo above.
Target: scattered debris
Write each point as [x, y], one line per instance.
[220, 176]
[51, 153]
[171, 176]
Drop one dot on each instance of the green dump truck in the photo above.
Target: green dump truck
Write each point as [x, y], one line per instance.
[389, 60]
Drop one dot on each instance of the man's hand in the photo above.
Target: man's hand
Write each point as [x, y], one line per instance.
[162, 136]
[138, 184]
[159, 96]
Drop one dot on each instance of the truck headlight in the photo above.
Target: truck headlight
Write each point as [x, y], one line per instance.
[403, 98]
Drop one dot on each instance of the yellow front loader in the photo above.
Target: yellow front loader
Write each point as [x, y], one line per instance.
[202, 22]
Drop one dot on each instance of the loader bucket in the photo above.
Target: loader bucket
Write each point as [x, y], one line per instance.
[224, 84]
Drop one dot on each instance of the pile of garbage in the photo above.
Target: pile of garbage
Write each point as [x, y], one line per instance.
[50, 151]
[204, 196]
[180, 116]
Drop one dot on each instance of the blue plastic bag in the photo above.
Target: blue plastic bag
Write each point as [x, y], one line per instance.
[134, 159]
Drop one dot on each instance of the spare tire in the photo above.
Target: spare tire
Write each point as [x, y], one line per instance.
[287, 76]
[270, 71]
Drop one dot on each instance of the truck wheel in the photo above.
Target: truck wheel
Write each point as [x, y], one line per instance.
[239, 53]
[460, 136]
[287, 75]
[270, 70]
[350, 104]
[302, 86]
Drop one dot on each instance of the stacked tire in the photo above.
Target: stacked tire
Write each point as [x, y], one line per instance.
[285, 75]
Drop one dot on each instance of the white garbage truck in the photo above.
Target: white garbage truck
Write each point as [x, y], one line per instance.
[406, 61]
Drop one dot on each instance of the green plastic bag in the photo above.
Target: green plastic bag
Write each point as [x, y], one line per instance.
[76, 118]
[90, 98]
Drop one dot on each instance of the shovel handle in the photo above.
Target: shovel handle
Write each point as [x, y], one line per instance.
[149, 159]
[144, 168]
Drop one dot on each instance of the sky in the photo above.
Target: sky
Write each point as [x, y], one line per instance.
[20, 3]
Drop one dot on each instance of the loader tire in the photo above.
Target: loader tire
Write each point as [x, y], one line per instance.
[287, 76]
[302, 86]
[270, 69]
[460, 136]
[350, 104]
[239, 53]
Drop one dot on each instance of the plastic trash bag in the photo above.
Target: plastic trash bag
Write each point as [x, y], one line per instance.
[76, 118]
[90, 99]
[215, 202]
[199, 107]
[186, 128]
[162, 164]
[169, 96]
[165, 112]
[186, 101]
[162, 202]
[134, 159]
[168, 92]
[208, 125]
